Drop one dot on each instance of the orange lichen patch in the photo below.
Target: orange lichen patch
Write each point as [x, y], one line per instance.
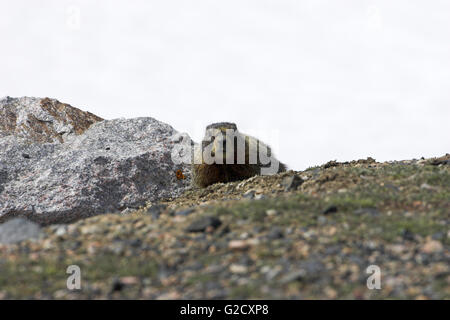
[16, 119]
[39, 131]
[7, 120]
[65, 113]
[180, 175]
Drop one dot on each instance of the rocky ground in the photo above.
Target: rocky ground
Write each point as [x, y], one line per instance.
[296, 235]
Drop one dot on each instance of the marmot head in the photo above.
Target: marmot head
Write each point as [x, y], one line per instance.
[224, 137]
[222, 126]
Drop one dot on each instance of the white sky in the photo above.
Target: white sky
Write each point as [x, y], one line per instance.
[317, 79]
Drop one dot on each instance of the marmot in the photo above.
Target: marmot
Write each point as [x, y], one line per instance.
[246, 156]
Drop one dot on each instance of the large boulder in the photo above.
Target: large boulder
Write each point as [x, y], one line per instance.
[59, 164]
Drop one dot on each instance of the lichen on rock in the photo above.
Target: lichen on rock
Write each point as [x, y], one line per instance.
[42, 120]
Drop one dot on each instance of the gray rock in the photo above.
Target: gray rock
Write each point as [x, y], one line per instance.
[185, 212]
[95, 168]
[260, 197]
[322, 220]
[271, 212]
[117, 285]
[308, 271]
[296, 275]
[61, 230]
[127, 211]
[291, 183]
[155, 210]
[408, 235]
[203, 223]
[18, 229]
[330, 209]
[275, 233]
[368, 211]
[250, 194]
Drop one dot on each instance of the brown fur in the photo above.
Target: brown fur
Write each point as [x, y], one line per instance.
[204, 174]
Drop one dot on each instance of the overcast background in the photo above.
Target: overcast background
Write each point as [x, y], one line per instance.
[317, 79]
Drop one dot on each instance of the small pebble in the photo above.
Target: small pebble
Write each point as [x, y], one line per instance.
[238, 245]
[330, 209]
[370, 211]
[275, 233]
[271, 212]
[432, 246]
[202, 224]
[185, 212]
[260, 197]
[126, 211]
[293, 276]
[250, 194]
[238, 268]
[291, 183]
